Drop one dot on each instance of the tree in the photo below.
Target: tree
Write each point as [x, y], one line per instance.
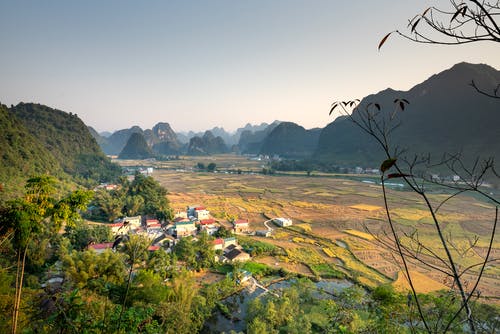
[135, 247]
[31, 215]
[465, 22]
[211, 167]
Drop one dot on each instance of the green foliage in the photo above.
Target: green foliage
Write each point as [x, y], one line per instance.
[197, 254]
[211, 167]
[87, 269]
[142, 196]
[82, 234]
[257, 269]
[256, 248]
[68, 141]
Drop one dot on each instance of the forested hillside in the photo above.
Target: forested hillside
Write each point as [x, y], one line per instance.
[36, 139]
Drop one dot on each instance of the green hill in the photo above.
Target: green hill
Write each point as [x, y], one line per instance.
[37, 139]
[136, 148]
[290, 140]
[21, 155]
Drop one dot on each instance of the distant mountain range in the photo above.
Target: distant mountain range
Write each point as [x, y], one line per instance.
[445, 114]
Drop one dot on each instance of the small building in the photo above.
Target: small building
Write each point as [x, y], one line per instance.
[207, 222]
[218, 243]
[230, 248]
[190, 210]
[150, 222]
[154, 231]
[133, 222]
[119, 228]
[283, 222]
[240, 225]
[201, 213]
[181, 214]
[237, 255]
[101, 248]
[230, 241]
[210, 229]
[183, 229]
[264, 233]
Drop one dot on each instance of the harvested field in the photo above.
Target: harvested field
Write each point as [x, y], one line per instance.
[321, 208]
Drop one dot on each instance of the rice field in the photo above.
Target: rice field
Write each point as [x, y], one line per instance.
[326, 209]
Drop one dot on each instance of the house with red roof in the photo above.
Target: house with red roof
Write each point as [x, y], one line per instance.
[100, 248]
[240, 225]
[218, 243]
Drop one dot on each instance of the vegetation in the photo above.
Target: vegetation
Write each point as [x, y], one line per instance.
[142, 196]
[68, 140]
[136, 148]
[465, 23]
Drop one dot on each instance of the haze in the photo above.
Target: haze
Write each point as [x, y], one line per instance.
[200, 64]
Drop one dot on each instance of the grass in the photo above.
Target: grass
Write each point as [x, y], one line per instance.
[326, 271]
[360, 234]
[366, 207]
[257, 269]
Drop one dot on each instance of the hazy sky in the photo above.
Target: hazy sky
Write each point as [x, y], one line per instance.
[200, 64]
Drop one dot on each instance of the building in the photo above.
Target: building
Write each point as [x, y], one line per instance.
[133, 222]
[101, 248]
[152, 222]
[119, 228]
[283, 222]
[264, 233]
[237, 255]
[240, 225]
[230, 241]
[201, 213]
[183, 229]
[218, 244]
[190, 211]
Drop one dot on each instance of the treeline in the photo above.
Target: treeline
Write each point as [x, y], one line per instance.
[141, 196]
[52, 283]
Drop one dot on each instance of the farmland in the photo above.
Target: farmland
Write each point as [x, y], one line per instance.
[335, 219]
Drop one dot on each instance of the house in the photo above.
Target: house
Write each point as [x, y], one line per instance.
[201, 213]
[183, 229]
[218, 243]
[230, 248]
[207, 222]
[237, 255]
[101, 248]
[210, 229]
[230, 241]
[152, 222]
[190, 210]
[181, 214]
[240, 225]
[119, 228]
[264, 233]
[283, 222]
[154, 231]
[133, 222]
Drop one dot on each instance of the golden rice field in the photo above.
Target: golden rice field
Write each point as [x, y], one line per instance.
[327, 209]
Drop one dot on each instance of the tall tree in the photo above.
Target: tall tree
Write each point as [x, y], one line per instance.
[36, 212]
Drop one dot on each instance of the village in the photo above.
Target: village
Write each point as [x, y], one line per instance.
[189, 223]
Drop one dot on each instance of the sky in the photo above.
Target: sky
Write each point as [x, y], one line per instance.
[201, 64]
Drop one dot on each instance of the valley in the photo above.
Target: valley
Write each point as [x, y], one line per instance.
[337, 220]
